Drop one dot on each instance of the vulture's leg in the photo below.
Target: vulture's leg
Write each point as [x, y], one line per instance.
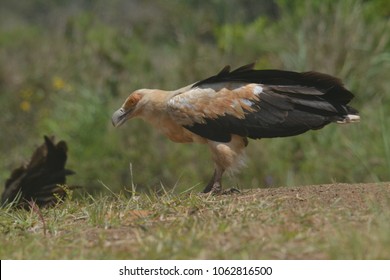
[226, 156]
[215, 184]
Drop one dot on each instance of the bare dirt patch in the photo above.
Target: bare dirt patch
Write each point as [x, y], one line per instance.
[352, 196]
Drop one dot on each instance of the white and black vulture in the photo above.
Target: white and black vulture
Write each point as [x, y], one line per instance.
[223, 111]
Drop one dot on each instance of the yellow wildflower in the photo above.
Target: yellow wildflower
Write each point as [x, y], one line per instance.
[58, 83]
[25, 106]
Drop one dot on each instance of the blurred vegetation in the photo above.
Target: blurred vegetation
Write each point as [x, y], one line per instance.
[65, 66]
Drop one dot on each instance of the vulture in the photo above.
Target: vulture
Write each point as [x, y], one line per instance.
[40, 180]
[224, 110]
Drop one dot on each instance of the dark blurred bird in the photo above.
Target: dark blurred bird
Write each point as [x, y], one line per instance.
[224, 110]
[41, 180]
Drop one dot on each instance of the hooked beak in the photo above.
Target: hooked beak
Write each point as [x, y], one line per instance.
[120, 116]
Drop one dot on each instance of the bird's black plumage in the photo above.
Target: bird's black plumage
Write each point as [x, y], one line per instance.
[40, 179]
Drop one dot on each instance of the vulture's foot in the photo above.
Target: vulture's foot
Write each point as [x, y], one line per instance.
[215, 184]
[230, 191]
[214, 188]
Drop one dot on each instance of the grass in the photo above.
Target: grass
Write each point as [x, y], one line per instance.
[317, 222]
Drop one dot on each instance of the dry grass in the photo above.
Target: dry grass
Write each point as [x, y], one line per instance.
[336, 221]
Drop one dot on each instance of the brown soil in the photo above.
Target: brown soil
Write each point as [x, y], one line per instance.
[353, 196]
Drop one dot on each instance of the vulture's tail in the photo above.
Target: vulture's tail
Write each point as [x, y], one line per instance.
[351, 117]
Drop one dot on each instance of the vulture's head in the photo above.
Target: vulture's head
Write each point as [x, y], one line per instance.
[131, 107]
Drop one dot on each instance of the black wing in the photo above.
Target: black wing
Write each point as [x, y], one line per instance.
[290, 103]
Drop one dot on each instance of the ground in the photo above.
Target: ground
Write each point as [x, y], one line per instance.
[332, 221]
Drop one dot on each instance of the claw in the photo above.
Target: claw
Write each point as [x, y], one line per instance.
[230, 191]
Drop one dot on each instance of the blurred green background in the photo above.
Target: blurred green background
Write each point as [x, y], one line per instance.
[65, 66]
